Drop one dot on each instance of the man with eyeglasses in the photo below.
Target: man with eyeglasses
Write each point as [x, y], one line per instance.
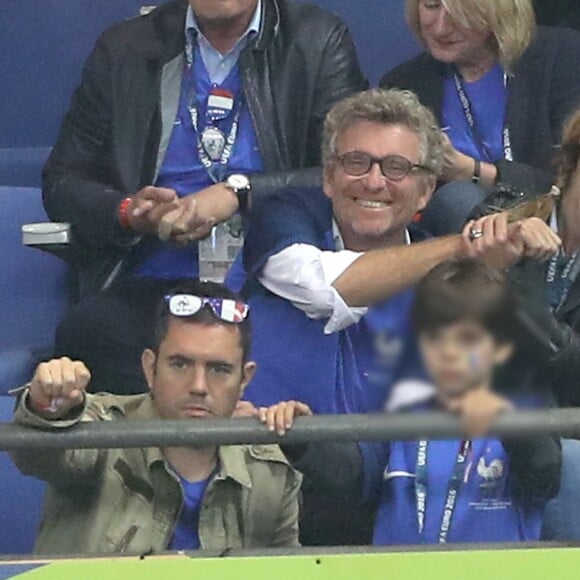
[149, 500]
[331, 274]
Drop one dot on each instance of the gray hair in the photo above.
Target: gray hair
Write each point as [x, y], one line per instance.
[392, 107]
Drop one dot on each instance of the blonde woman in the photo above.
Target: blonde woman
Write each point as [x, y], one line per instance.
[500, 86]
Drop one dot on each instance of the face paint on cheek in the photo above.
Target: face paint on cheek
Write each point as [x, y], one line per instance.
[474, 362]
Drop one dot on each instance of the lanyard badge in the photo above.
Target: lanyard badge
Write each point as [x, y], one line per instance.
[458, 477]
[472, 123]
[214, 147]
[220, 105]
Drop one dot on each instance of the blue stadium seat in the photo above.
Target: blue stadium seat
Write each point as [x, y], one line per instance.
[22, 166]
[20, 500]
[33, 289]
[33, 297]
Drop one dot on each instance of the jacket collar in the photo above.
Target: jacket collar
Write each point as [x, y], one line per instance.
[232, 458]
[233, 465]
[269, 25]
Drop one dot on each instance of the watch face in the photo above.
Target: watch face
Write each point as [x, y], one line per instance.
[238, 181]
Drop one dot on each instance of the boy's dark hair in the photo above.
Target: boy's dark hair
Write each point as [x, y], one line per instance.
[465, 290]
[204, 316]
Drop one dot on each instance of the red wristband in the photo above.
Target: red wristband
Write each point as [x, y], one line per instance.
[123, 212]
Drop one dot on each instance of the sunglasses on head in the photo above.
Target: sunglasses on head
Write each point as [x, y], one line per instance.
[226, 309]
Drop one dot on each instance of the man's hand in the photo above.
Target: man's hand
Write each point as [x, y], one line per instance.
[478, 411]
[58, 386]
[148, 207]
[280, 417]
[540, 242]
[203, 210]
[493, 241]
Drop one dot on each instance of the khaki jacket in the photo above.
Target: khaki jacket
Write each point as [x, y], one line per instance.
[128, 500]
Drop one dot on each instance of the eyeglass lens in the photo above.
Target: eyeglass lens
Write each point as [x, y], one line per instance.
[393, 167]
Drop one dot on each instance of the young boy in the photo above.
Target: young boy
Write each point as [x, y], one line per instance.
[479, 489]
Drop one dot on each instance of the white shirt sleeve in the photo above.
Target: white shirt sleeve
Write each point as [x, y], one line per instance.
[304, 274]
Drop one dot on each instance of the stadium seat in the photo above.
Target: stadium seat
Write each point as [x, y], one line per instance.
[34, 289]
[33, 297]
[22, 166]
[20, 500]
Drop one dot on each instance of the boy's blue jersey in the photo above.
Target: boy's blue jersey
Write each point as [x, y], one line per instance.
[487, 507]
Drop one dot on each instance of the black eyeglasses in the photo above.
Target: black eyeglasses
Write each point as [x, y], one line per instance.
[393, 167]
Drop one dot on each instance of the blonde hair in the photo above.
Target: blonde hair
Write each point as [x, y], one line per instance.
[566, 163]
[392, 107]
[511, 22]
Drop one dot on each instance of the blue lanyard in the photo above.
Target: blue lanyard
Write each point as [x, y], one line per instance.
[452, 490]
[560, 278]
[216, 170]
[471, 122]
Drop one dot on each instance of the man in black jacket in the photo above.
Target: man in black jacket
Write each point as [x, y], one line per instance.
[170, 105]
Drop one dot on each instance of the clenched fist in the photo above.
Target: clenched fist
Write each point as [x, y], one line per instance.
[58, 386]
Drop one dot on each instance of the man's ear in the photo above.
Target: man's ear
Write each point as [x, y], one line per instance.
[148, 361]
[328, 179]
[248, 373]
[425, 198]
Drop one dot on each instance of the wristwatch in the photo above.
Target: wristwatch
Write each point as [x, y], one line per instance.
[240, 185]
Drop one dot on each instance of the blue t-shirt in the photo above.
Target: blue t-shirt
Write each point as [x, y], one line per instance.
[186, 535]
[488, 98]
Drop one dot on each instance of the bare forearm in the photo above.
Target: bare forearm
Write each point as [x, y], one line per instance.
[379, 274]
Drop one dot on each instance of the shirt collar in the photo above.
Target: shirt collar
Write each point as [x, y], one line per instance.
[339, 242]
[253, 28]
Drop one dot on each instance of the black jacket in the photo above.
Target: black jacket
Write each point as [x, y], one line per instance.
[543, 91]
[301, 63]
[550, 356]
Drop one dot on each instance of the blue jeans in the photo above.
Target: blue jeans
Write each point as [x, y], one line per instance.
[562, 515]
[450, 207]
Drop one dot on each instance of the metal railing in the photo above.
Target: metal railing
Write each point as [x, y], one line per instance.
[387, 427]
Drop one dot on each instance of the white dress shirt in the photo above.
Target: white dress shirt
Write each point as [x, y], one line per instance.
[305, 274]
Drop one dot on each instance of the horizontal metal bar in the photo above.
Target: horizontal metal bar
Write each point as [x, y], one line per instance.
[205, 432]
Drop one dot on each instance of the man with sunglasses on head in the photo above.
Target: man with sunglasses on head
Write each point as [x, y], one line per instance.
[331, 272]
[183, 498]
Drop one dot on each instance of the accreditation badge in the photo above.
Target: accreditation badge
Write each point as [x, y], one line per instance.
[220, 104]
[213, 142]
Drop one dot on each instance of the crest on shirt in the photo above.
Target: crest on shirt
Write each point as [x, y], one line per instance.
[491, 474]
